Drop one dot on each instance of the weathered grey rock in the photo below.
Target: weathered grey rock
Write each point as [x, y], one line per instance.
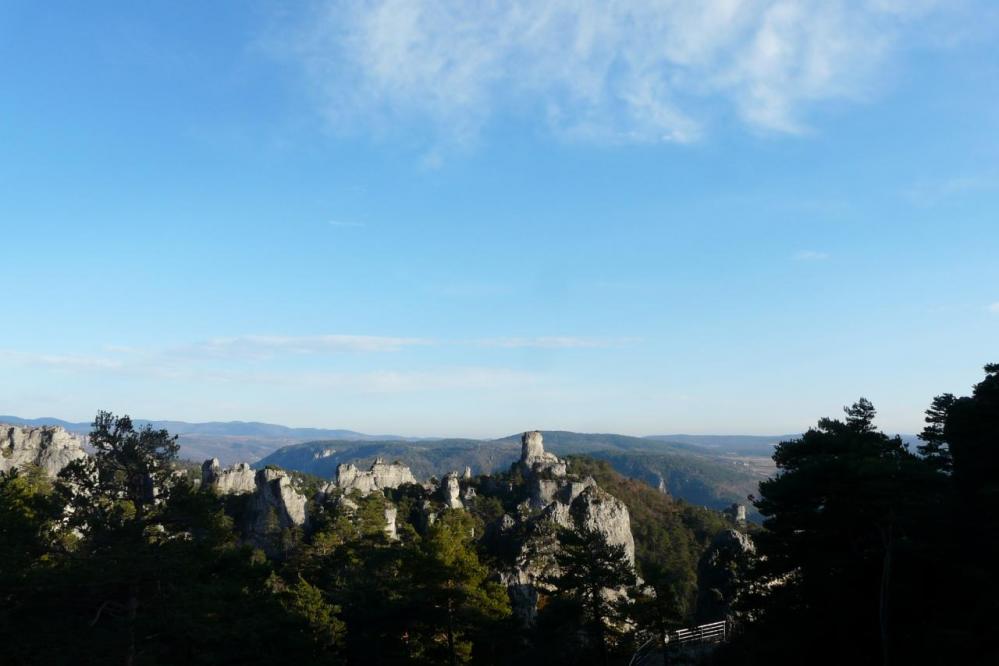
[662, 486]
[381, 475]
[542, 491]
[570, 490]
[275, 506]
[736, 513]
[534, 459]
[469, 494]
[49, 447]
[468, 473]
[733, 541]
[599, 511]
[390, 529]
[237, 479]
[451, 491]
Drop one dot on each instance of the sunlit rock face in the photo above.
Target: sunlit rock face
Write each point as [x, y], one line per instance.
[390, 528]
[451, 491]
[49, 447]
[596, 510]
[237, 479]
[557, 498]
[381, 475]
[535, 460]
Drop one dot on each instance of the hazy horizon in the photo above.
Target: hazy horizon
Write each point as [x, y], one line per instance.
[724, 219]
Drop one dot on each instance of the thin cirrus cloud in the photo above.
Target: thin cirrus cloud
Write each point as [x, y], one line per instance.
[267, 345]
[552, 342]
[250, 348]
[809, 255]
[994, 308]
[631, 71]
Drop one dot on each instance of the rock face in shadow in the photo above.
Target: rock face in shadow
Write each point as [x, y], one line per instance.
[274, 507]
[235, 480]
[49, 447]
[720, 574]
[382, 475]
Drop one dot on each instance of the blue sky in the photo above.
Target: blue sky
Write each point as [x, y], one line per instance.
[438, 219]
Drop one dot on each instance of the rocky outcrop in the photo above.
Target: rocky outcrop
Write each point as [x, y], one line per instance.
[49, 447]
[596, 510]
[721, 574]
[451, 491]
[274, 507]
[237, 479]
[737, 514]
[534, 460]
[390, 529]
[381, 475]
[556, 498]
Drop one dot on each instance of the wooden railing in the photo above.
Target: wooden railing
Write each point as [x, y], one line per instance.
[653, 650]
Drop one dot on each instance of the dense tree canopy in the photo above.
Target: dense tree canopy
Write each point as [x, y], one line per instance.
[875, 553]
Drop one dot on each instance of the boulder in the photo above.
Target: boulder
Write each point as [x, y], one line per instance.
[597, 510]
[49, 447]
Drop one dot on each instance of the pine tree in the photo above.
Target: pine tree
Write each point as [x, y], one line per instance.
[593, 573]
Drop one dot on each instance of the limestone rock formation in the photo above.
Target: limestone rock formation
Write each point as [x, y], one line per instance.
[597, 510]
[48, 447]
[274, 506]
[451, 491]
[560, 499]
[381, 475]
[535, 460]
[390, 514]
[235, 480]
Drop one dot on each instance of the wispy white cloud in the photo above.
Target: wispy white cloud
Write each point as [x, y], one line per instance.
[809, 255]
[994, 308]
[268, 345]
[345, 224]
[929, 193]
[633, 71]
[552, 342]
[68, 361]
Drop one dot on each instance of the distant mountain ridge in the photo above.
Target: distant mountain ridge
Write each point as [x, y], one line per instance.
[229, 441]
[224, 428]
